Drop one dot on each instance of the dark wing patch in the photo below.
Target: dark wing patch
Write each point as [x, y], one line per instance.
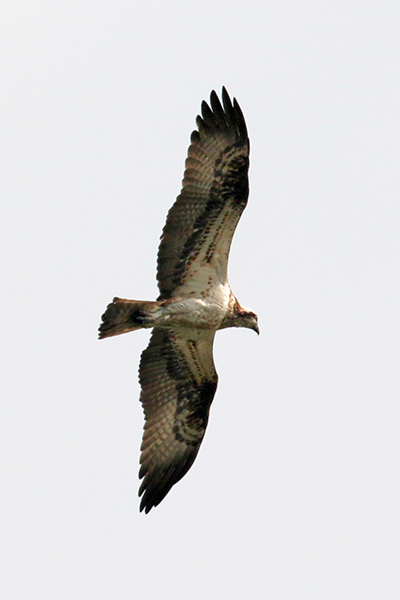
[178, 382]
[214, 194]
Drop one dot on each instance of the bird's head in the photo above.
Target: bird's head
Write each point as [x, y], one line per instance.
[247, 318]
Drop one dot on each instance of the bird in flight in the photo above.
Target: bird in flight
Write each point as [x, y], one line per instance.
[177, 373]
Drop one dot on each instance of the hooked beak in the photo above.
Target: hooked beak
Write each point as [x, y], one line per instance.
[255, 328]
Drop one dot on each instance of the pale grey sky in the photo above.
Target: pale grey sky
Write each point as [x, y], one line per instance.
[295, 492]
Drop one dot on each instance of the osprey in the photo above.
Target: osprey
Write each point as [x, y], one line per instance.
[177, 374]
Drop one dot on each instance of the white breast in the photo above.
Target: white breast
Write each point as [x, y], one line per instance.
[205, 313]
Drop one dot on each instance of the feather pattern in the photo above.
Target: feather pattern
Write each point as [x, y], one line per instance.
[178, 380]
[196, 238]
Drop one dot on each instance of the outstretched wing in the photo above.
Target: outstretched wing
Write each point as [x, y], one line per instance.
[196, 239]
[178, 380]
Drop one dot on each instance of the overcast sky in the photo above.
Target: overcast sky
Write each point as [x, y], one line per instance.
[295, 492]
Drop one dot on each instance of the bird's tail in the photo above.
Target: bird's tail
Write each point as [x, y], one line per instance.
[122, 316]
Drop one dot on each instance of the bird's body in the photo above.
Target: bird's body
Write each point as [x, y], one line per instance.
[177, 373]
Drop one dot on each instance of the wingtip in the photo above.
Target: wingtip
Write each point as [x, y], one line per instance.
[221, 113]
[226, 99]
[213, 95]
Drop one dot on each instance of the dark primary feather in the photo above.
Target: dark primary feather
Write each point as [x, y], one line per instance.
[178, 382]
[214, 194]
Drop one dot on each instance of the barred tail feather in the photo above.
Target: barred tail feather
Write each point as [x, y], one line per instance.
[122, 316]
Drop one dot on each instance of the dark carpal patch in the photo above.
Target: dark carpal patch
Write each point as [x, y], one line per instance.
[235, 183]
[201, 403]
[192, 411]
[137, 317]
